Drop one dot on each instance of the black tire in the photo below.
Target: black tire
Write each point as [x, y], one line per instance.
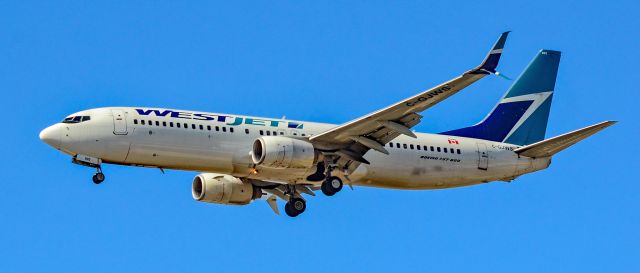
[288, 208]
[98, 178]
[335, 183]
[299, 205]
[331, 186]
[326, 189]
[295, 207]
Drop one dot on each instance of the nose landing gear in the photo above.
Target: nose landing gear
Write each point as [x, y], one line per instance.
[98, 177]
[92, 162]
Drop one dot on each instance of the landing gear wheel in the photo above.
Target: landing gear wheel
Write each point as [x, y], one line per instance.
[295, 207]
[98, 178]
[331, 186]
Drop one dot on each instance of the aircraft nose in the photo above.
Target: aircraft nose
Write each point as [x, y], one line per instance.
[51, 135]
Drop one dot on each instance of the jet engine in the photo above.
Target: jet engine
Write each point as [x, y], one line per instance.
[223, 189]
[283, 152]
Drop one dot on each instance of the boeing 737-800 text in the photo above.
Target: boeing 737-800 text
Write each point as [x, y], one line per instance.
[243, 158]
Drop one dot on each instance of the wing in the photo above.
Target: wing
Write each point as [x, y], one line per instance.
[354, 138]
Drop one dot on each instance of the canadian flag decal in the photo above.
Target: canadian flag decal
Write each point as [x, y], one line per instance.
[453, 141]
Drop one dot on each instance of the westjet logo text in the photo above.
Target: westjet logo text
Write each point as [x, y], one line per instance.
[227, 120]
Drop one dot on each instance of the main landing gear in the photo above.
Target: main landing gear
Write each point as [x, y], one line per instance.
[331, 184]
[99, 176]
[296, 205]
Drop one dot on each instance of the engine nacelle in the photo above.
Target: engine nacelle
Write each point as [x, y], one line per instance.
[223, 189]
[283, 152]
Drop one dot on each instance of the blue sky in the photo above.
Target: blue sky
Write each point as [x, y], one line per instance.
[327, 62]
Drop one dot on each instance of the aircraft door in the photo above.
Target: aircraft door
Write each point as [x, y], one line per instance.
[483, 156]
[119, 122]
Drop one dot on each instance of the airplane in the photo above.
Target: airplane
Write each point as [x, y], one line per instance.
[245, 158]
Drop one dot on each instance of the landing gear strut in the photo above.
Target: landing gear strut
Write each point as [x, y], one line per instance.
[98, 177]
[296, 205]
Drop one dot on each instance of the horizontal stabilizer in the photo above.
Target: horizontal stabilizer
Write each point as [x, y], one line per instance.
[551, 146]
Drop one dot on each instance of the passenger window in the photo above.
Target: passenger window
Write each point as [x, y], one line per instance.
[231, 129]
[217, 128]
[397, 145]
[303, 134]
[135, 121]
[431, 148]
[171, 124]
[164, 124]
[268, 133]
[201, 127]
[445, 150]
[142, 122]
[404, 145]
[391, 144]
[418, 147]
[150, 122]
[193, 126]
[411, 146]
[438, 149]
[178, 124]
[261, 132]
[224, 129]
[282, 133]
[157, 123]
[458, 151]
[275, 133]
[246, 131]
[295, 134]
[186, 126]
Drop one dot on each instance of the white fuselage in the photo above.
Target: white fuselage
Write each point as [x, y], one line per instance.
[222, 143]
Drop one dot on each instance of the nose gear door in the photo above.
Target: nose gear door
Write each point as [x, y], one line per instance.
[119, 122]
[483, 156]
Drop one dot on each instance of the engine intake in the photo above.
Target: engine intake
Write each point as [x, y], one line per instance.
[283, 152]
[223, 189]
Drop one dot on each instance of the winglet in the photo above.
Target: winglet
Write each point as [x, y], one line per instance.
[490, 63]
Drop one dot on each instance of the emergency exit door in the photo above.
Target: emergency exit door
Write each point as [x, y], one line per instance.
[483, 156]
[119, 122]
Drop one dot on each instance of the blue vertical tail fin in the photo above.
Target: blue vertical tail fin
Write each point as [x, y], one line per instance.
[521, 115]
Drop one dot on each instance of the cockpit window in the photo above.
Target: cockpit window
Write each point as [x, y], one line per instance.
[76, 119]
